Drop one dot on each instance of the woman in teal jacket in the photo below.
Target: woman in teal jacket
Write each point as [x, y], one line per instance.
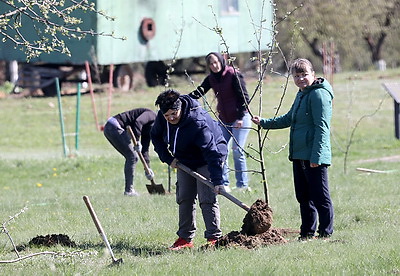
[310, 148]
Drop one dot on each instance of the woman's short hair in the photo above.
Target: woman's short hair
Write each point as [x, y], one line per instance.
[301, 65]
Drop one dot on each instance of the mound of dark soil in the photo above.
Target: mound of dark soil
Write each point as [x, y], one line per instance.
[52, 240]
[256, 229]
[258, 219]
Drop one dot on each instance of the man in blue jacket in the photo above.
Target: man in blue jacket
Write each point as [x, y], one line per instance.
[184, 132]
[309, 120]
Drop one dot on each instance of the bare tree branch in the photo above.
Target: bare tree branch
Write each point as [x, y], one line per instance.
[28, 256]
[350, 141]
[52, 21]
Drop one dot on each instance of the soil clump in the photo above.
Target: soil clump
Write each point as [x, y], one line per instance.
[256, 230]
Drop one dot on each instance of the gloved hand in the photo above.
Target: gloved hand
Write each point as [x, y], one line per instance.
[197, 93]
[149, 175]
[138, 147]
[219, 188]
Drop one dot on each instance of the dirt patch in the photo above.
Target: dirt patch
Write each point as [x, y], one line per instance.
[52, 240]
[256, 230]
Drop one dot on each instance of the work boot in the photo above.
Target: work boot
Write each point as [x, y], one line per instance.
[181, 243]
[324, 237]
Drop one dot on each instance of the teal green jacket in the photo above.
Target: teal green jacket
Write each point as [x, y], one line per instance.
[309, 121]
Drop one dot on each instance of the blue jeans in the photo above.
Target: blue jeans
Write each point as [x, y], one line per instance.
[239, 157]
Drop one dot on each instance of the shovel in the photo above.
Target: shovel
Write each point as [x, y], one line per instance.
[153, 188]
[100, 230]
[206, 181]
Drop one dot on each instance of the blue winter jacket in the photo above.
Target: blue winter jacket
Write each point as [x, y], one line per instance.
[195, 141]
[309, 121]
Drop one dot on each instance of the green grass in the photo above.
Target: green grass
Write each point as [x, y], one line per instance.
[35, 174]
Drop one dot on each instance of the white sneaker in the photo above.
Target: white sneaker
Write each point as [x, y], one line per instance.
[244, 189]
[132, 193]
[227, 189]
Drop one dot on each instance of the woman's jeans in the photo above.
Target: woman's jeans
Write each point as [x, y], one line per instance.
[239, 157]
[121, 141]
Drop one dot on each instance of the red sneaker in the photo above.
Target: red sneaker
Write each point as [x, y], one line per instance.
[211, 241]
[181, 243]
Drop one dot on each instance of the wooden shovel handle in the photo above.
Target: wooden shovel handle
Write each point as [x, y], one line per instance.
[98, 226]
[146, 168]
[207, 182]
[93, 215]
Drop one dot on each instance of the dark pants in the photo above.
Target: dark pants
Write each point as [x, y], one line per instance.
[312, 192]
[188, 189]
[119, 139]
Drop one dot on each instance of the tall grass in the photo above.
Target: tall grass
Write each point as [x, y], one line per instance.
[35, 174]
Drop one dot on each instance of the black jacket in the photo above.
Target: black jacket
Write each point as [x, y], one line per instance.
[140, 120]
[195, 141]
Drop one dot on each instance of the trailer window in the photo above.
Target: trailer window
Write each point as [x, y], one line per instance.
[229, 7]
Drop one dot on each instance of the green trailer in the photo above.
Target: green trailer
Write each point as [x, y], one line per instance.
[156, 32]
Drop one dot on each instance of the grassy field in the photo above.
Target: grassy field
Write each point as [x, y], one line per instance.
[36, 176]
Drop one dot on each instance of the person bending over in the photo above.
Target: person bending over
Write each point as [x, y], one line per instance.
[141, 121]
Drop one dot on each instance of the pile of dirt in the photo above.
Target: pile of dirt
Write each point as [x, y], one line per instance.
[258, 219]
[52, 240]
[256, 229]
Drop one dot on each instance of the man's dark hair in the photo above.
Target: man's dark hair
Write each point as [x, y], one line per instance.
[168, 99]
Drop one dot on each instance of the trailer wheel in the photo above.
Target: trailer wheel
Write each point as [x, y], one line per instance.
[50, 90]
[155, 73]
[123, 77]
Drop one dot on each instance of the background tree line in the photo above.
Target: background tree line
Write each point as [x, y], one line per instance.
[364, 32]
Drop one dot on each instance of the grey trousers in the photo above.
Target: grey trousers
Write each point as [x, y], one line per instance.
[187, 190]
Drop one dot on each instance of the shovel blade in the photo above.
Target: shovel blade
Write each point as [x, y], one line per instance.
[116, 262]
[155, 189]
